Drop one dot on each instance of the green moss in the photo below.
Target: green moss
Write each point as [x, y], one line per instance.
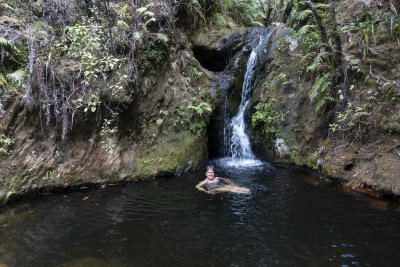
[295, 158]
[171, 155]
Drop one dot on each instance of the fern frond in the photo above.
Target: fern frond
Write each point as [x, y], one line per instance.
[312, 67]
[320, 57]
[319, 83]
[306, 56]
[306, 29]
[317, 61]
[302, 15]
[324, 86]
[8, 46]
[322, 102]
[17, 76]
[321, 5]
[122, 24]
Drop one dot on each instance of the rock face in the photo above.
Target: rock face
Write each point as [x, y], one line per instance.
[358, 144]
[152, 138]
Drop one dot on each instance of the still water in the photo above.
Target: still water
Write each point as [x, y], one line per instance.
[291, 218]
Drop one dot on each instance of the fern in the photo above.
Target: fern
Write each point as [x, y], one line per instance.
[7, 46]
[306, 29]
[319, 86]
[312, 67]
[321, 6]
[302, 15]
[319, 95]
[321, 56]
[317, 61]
[322, 102]
[17, 76]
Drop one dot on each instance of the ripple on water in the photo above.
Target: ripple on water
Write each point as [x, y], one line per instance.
[286, 220]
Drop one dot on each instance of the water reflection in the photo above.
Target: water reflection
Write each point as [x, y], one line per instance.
[291, 218]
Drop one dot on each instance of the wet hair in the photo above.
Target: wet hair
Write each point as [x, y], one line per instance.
[209, 168]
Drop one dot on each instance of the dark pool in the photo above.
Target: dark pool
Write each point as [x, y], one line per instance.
[291, 218]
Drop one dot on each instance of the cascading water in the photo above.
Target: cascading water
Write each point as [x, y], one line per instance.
[239, 143]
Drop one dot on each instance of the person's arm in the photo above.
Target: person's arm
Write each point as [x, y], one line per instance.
[226, 180]
[200, 187]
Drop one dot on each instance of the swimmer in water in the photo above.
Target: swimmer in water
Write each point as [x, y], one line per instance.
[213, 185]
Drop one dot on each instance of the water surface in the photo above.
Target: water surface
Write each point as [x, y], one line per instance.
[291, 218]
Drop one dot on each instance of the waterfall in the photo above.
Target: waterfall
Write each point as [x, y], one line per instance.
[239, 143]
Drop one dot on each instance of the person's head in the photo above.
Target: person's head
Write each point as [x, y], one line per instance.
[210, 172]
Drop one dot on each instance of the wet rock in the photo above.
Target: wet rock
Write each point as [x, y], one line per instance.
[281, 148]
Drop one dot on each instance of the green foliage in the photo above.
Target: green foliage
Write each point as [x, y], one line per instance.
[348, 119]
[353, 62]
[247, 12]
[304, 14]
[310, 38]
[306, 29]
[108, 134]
[371, 27]
[267, 116]
[11, 73]
[17, 76]
[162, 37]
[5, 141]
[8, 48]
[48, 176]
[318, 60]
[164, 114]
[156, 52]
[84, 44]
[193, 116]
[194, 10]
[395, 28]
[200, 109]
[320, 94]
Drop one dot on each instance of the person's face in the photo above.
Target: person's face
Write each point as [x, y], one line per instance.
[210, 174]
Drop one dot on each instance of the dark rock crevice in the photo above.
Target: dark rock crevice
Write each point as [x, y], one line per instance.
[211, 59]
